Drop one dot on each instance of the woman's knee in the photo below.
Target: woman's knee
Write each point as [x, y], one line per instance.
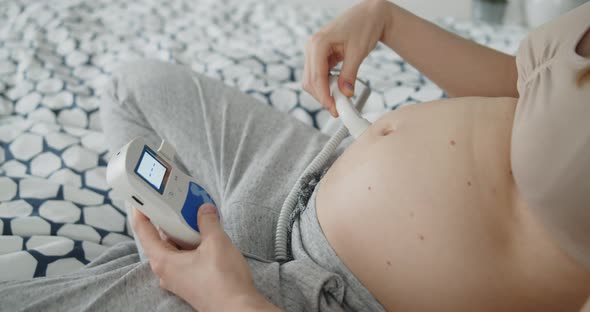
[137, 81]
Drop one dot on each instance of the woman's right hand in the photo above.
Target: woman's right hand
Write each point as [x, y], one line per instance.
[348, 38]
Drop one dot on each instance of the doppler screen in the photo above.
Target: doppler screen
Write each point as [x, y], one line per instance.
[151, 169]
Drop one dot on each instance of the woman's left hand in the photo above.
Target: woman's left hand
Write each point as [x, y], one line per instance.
[213, 277]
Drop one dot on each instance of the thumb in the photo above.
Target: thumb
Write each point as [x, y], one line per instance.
[207, 220]
[350, 66]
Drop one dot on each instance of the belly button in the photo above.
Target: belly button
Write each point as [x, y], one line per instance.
[385, 131]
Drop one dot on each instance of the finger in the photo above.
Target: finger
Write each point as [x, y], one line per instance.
[208, 221]
[307, 85]
[333, 60]
[306, 76]
[149, 237]
[350, 67]
[320, 73]
[164, 237]
[321, 84]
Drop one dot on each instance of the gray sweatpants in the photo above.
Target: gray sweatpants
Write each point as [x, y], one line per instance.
[248, 156]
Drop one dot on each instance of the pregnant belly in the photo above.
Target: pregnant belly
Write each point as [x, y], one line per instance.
[423, 209]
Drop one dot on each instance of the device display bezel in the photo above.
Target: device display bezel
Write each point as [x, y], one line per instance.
[162, 162]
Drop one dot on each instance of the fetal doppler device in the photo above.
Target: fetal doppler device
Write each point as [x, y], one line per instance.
[159, 189]
[353, 123]
[170, 198]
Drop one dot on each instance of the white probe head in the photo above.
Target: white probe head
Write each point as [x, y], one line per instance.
[350, 117]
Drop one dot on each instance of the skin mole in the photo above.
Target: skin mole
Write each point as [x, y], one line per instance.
[369, 188]
[468, 183]
[452, 142]
[388, 263]
[421, 237]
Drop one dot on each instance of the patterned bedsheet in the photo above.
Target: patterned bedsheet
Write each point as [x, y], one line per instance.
[56, 211]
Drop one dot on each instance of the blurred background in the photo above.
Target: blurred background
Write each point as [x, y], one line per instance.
[523, 12]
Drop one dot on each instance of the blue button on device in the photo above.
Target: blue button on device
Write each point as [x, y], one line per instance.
[195, 197]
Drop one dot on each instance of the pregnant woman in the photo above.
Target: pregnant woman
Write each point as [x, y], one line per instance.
[480, 202]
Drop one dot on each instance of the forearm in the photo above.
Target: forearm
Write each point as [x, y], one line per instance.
[459, 66]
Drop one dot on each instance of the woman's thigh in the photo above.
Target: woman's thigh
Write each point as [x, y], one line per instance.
[246, 154]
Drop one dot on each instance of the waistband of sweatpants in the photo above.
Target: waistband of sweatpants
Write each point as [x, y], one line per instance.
[309, 241]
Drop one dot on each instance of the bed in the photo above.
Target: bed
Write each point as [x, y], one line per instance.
[56, 211]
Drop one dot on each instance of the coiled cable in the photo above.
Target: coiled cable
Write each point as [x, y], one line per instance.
[282, 230]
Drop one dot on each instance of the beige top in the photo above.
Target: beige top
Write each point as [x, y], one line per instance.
[551, 135]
